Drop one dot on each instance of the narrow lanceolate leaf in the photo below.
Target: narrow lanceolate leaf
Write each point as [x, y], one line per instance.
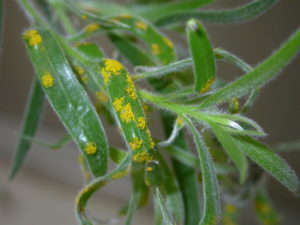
[167, 219]
[30, 123]
[127, 107]
[237, 15]
[232, 149]
[260, 75]
[68, 98]
[90, 50]
[86, 193]
[161, 47]
[270, 162]
[156, 11]
[210, 185]
[203, 56]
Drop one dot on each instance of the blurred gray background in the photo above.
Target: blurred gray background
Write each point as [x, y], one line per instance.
[44, 191]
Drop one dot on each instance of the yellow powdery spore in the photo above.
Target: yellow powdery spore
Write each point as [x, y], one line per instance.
[90, 148]
[141, 25]
[80, 72]
[168, 42]
[149, 169]
[33, 37]
[111, 67]
[126, 113]
[155, 48]
[120, 174]
[101, 96]
[136, 143]
[118, 104]
[179, 121]
[130, 88]
[140, 157]
[47, 80]
[141, 122]
[91, 27]
[207, 85]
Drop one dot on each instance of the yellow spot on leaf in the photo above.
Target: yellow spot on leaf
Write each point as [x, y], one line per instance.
[84, 17]
[168, 42]
[143, 156]
[234, 104]
[179, 121]
[141, 25]
[120, 174]
[91, 27]
[47, 80]
[155, 48]
[126, 113]
[111, 67]
[80, 72]
[101, 96]
[118, 104]
[90, 148]
[141, 123]
[136, 143]
[207, 85]
[33, 37]
[130, 88]
[149, 169]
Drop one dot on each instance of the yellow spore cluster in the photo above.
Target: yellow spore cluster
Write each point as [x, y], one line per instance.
[168, 42]
[101, 96]
[155, 48]
[111, 67]
[91, 27]
[120, 174]
[136, 143]
[141, 123]
[47, 80]
[142, 156]
[149, 169]
[262, 207]
[130, 88]
[118, 104]
[126, 113]
[150, 140]
[179, 121]
[33, 37]
[141, 25]
[123, 16]
[90, 148]
[207, 85]
[80, 72]
[235, 104]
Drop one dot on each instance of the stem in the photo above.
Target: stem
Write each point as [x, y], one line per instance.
[32, 13]
[67, 24]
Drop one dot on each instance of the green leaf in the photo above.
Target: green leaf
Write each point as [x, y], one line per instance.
[237, 15]
[167, 219]
[232, 149]
[260, 75]
[116, 155]
[29, 127]
[203, 56]
[156, 11]
[68, 98]
[90, 50]
[161, 47]
[86, 193]
[132, 52]
[270, 162]
[288, 146]
[210, 185]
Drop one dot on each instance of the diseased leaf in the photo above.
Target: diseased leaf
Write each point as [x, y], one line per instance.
[259, 76]
[202, 55]
[30, 123]
[210, 185]
[68, 98]
[237, 15]
[270, 162]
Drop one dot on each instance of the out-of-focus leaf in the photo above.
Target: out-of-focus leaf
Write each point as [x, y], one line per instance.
[260, 75]
[288, 146]
[232, 149]
[203, 56]
[264, 211]
[155, 11]
[230, 215]
[161, 47]
[85, 194]
[30, 124]
[68, 98]
[209, 179]
[237, 15]
[270, 162]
